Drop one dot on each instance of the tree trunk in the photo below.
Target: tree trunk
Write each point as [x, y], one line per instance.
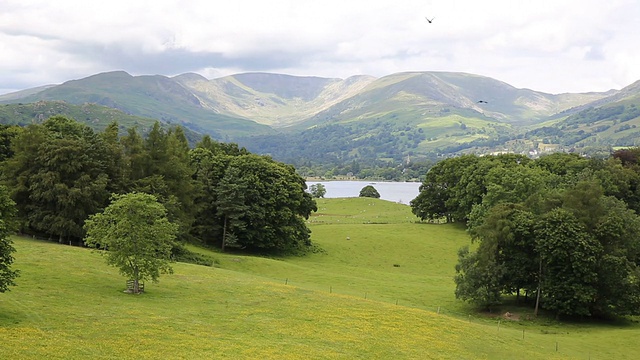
[224, 232]
[136, 281]
[535, 313]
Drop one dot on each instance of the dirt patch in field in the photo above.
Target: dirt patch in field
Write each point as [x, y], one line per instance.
[507, 315]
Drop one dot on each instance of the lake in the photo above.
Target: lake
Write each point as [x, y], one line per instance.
[401, 192]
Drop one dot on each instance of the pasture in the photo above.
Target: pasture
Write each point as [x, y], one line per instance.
[386, 292]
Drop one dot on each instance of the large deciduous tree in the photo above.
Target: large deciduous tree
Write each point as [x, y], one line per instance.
[249, 201]
[136, 235]
[275, 204]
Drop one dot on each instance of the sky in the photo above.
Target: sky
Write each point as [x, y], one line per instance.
[554, 46]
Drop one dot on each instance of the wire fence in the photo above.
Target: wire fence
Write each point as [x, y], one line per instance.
[504, 325]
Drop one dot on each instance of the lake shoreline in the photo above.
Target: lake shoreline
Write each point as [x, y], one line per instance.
[396, 191]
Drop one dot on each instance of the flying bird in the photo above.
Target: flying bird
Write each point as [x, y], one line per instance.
[430, 21]
[482, 102]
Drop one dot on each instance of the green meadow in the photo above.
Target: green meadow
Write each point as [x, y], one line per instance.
[379, 287]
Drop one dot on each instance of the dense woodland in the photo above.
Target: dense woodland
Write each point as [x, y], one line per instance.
[60, 172]
[561, 232]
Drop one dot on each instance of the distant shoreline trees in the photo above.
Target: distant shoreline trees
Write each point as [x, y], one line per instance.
[317, 190]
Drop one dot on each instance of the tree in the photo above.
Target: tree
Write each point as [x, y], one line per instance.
[58, 176]
[506, 239]
[230, 203]
[249, 201]
[369, 191]
[478, 279]
[275, 204]
[115, 161]
[439, 190]
[209, 169]
[136, 235]
[7, 226]
[569, 257]
[317, 190]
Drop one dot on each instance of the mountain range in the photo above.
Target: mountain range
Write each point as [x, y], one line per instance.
[360, 117]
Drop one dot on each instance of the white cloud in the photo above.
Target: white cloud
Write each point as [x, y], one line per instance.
[546, 45]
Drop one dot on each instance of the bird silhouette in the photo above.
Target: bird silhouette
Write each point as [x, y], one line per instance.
[482, 102]
[430, 21]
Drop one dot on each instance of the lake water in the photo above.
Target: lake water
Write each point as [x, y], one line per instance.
[402, 192]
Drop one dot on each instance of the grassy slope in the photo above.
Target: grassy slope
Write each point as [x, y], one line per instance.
[69, 304]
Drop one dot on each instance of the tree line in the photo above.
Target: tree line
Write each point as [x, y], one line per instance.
[60, 172]
[560, 233]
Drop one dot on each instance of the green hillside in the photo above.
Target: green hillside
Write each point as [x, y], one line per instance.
[95, 116]
[155, 97]
[349, 301]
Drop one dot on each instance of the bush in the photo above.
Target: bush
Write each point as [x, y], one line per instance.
[182, 254]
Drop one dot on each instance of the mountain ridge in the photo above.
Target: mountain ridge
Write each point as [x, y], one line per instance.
[401, 114]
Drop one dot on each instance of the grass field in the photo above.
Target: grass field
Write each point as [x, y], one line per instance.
[385, 293]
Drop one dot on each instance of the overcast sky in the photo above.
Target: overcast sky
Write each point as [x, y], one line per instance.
[546, 45]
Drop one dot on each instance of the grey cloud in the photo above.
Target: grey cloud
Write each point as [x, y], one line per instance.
[176, 61]
[595, 53]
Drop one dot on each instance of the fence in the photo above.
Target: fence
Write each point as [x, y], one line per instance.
[130, 286]
[504, 324]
